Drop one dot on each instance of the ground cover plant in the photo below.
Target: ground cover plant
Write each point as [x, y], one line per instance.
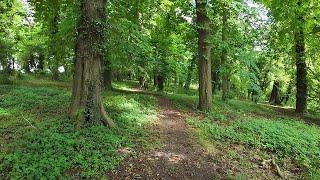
[159, 89]
[38, 140]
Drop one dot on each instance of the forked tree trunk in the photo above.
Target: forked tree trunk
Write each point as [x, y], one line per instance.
[87, 104]
[204, 64]
[275, 94]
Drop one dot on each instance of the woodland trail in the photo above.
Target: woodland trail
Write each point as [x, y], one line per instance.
[180, 157]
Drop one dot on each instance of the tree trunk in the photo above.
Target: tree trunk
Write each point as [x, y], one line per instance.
[204, 64]
[286, 97]
[54, 51]
[275, 94]
[160, 82]
[301, 84]
[215, 79]
[87, 104]
[225, 78]
[190, 73]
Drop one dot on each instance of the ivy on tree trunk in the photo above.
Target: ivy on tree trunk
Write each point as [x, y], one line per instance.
[301, 81]
[204, 60]
[87, 104]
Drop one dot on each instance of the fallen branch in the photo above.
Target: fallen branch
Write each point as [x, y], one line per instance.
[275, 165]
[279, 172]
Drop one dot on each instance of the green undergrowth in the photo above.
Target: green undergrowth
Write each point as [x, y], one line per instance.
[285, 137]
[257, 126]
[38, 141]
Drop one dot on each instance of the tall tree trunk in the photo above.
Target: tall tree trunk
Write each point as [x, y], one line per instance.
[275, 94]
[301, 84]
[224, 52]
[190, 73]
[204, 64]
[87, 104]
[286, 97]
[54, 51]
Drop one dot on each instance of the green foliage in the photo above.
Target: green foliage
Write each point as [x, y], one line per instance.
[43, 143]
[285, 137]
[41, 100]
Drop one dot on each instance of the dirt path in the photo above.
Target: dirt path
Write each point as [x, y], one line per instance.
[180, 158]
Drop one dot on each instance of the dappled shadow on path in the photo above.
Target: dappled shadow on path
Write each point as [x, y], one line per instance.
[181, 157]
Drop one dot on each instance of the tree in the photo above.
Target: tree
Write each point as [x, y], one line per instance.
[275, 94]
[301, 74]
[224, 53]
[297, 22]
[87, 104]
[204, 60]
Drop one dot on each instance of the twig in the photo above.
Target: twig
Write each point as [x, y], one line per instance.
[30, 126]
[274, 164]
[28, 122]
[279, 172]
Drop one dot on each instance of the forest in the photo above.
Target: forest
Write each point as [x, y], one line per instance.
[159, 89]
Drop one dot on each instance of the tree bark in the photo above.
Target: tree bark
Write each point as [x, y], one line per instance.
[275, 94]
[204, 64]
[87, 104]
[301, 81]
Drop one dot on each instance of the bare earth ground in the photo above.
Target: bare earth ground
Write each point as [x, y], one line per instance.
[182, 157]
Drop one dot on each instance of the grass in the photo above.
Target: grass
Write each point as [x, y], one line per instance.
[38, 141]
